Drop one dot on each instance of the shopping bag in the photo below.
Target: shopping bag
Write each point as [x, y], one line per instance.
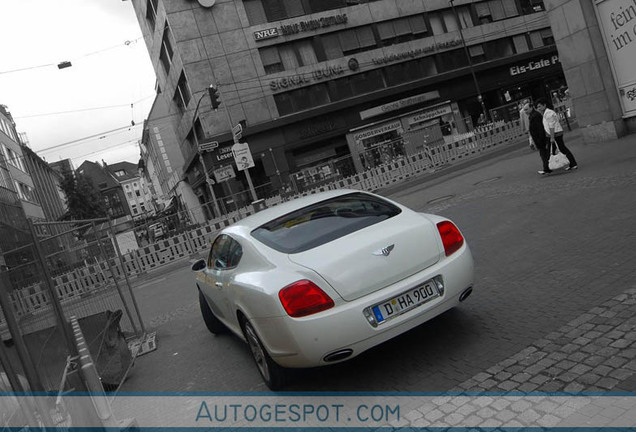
[557, 159]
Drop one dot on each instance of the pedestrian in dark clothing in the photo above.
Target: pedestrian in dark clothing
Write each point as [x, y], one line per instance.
[537, 133]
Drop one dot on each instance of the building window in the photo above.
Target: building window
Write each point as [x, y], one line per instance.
[120, 173]
[437, 23]
[288, 57]
[532, 6]
[451, 60]
[547, 37]
[151, 13]
[331, 46]
[255, 12]
[137, 193]
[182, 94]
[418, 24]
[465, 18]
[521, 43]
[450, 21]
[130, 195]
[477, 54]
[499, 48]
[272, 62]
[166, 49]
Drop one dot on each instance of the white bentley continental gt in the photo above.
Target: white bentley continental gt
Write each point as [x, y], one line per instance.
[323, 278]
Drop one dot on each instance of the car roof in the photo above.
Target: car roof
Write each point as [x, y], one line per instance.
[271, 213]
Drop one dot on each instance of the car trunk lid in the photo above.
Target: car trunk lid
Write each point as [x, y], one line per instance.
[377, 256]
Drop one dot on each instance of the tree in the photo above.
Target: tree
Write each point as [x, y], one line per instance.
[82, 199]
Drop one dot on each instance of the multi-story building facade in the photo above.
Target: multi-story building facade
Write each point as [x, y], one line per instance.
[17, 166]
[138, 196]
[63, 166]
[46, 182]
[108, 188]
[327, 88]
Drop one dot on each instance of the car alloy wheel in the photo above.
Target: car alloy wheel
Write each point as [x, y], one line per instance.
[272, 373]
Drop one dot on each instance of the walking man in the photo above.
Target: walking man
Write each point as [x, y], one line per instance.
[554, 131]
[537, 136]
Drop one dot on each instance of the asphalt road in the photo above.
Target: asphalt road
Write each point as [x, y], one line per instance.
[546, 249]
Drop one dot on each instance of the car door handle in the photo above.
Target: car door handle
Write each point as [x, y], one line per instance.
[219, 284]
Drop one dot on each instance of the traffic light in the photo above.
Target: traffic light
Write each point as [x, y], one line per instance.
[214, 97]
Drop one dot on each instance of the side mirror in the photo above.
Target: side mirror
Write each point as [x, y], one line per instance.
[198, 266]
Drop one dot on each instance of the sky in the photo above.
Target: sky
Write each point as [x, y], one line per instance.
[82, 112]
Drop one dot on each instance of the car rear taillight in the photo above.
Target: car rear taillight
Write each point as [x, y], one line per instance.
[451, 237]
[304, 298]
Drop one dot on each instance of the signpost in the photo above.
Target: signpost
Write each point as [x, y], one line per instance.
[209, 146]
[243, 157]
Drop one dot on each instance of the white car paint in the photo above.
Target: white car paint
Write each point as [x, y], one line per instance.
[348, 269]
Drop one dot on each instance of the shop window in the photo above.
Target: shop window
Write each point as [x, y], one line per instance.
[437, 23]
[255, 12]
[166, 49]
[182, 94]
[520, 43]
[477, 54]
[151, 13]
[418, 24]
[272, 62]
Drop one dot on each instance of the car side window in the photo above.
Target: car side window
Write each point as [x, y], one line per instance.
[216, 250]
[225, 253]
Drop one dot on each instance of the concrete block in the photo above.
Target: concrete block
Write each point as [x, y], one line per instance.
[257, 110]
[575, 49]
[242, 66]
[213, 46]
[205, 21]
[592, 77]
[226, 17]
[558, 23]
[183, 25]
[410, 7]
[199, 74]
[574, 16]
[191, 51]
[358, 16]
[383, 10]
[234, 41]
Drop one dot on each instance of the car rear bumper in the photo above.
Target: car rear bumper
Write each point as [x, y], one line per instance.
[304, 342]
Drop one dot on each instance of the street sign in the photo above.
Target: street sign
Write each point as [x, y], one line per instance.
[242, 156]
[224, 173]
[208, 146]
[237, 132]
[211, 182]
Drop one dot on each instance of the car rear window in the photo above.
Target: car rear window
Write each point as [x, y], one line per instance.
[320, 223]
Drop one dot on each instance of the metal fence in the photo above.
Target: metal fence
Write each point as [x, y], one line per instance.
[66, 269]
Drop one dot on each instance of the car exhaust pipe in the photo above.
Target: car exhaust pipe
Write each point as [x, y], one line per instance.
[465, 294]
[338, 355]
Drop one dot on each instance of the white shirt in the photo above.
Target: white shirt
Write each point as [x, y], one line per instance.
[551, 121]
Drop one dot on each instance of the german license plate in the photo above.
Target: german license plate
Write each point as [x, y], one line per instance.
[405, 301]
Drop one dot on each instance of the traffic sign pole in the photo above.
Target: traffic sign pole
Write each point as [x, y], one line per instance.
[237, 132]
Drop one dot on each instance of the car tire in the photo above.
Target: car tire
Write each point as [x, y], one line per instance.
[272, 373]
[211, 321]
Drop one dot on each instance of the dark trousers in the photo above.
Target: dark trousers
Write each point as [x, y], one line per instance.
[563, 149]
[544, 152]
